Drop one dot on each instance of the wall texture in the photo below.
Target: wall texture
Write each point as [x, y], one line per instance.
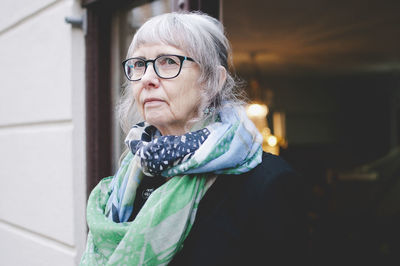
[42, 136]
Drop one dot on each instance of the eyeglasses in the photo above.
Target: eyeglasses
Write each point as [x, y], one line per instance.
[165, 66]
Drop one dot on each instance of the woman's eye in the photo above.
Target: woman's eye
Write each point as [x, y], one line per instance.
[139, 64]
[167, 61]
[170, 61]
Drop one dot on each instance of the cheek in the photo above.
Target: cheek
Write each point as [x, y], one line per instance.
[191, 98]
[136, 97]
[194, 92]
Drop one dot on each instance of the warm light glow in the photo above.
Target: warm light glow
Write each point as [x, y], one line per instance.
[272, 141]
[265, 132]
[257, 110]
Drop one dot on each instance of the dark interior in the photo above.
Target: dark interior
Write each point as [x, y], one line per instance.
[333, 67]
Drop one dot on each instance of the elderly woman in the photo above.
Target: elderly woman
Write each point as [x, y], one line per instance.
[195, 187]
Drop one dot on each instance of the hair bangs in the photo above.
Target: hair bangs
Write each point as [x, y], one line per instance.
[160, 29]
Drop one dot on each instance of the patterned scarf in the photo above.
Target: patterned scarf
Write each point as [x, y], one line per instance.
[231, 145]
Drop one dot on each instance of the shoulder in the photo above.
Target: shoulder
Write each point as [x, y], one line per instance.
[272, 173]
[271, 167]
[273, 178]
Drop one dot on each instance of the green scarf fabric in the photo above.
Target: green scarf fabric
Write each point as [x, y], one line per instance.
[144, 241]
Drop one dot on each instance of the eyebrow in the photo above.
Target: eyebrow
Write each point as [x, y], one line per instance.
[162, 54]
[141, 57]
[144, 58]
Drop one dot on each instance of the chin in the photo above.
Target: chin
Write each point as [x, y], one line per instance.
[155, 117]
[157, 122]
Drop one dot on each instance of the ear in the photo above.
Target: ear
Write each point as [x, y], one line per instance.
[222, 76]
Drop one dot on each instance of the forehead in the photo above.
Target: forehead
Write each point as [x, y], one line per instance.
[152, 50]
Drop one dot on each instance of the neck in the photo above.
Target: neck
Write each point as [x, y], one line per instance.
[174, 130]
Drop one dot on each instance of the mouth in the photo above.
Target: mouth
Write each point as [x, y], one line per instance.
[152, 101]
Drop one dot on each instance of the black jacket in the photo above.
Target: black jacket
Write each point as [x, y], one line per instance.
[257, 218]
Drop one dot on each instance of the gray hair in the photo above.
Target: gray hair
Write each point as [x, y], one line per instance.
[202, 38]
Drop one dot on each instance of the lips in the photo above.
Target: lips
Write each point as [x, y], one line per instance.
[152, 101]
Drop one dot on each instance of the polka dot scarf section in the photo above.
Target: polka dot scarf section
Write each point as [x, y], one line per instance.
[158, 153]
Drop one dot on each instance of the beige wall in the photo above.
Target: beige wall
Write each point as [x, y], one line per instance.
[42, 137]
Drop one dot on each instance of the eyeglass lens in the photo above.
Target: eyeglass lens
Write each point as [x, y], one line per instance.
[167, 66]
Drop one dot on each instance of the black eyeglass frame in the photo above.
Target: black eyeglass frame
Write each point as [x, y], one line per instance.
[181, 59]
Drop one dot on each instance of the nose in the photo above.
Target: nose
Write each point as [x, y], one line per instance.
[150, 78]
